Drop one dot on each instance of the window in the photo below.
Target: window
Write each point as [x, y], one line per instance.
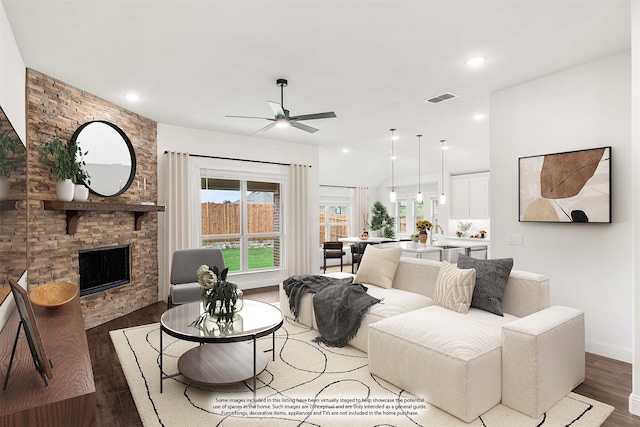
[418, 213]
[243, 218]
[402, 216]
[408, 211]
[334, 222]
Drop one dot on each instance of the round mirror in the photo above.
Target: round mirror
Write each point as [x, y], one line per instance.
[110, 159]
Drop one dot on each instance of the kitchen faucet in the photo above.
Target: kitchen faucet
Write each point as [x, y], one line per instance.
[434, 229]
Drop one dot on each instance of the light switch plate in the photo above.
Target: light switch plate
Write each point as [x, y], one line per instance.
[514, 239]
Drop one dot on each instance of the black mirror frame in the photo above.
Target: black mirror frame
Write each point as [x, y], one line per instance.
[132, 155]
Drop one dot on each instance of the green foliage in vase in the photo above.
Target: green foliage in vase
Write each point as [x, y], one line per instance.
[381, 220]
[65, 160]
[219, 295]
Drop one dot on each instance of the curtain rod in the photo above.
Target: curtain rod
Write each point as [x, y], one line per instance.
[339, 186]
[238, 160]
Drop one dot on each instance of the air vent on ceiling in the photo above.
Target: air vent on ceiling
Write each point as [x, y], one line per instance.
[441, 98]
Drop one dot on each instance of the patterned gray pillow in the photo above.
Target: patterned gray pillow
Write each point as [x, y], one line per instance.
[491, 281]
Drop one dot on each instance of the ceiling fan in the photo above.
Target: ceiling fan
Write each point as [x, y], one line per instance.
[282, 118]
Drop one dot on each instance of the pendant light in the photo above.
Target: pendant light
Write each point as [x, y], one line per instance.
[443, 198]
[419, 197]
[392, 195]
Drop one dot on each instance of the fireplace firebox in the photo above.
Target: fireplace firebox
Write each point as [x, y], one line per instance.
[103, 268]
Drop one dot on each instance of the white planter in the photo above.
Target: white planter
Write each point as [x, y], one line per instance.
[64, 190]
[4, 188]
[80, 193]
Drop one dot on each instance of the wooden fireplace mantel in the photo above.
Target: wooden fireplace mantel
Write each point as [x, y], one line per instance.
[76, 209]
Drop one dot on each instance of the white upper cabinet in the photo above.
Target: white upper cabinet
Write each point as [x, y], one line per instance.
[470, 196]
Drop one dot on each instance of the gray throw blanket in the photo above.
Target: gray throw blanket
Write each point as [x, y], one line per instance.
[339, 305]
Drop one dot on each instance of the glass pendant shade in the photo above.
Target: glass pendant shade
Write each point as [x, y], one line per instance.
[393, 197]
[443, 199]
[419, 198]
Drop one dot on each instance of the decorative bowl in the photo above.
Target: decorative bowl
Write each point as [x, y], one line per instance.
[53, 294]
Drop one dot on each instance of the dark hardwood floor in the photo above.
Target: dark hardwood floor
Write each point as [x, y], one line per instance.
[607, 380]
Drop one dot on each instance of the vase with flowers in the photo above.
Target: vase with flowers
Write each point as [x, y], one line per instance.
[220, 298]
[423, 225]
[463, 227]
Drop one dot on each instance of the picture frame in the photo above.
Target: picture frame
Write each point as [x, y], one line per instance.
[572, 186]
[28, 321]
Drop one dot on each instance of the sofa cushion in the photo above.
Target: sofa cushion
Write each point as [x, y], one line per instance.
[378, 266]
[452, 360]
[491, 280]
[454, 287]
[394, 302]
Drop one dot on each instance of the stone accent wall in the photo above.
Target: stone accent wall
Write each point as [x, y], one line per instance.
[56, 108]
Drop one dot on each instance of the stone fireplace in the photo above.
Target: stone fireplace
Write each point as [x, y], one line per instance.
[56, 108]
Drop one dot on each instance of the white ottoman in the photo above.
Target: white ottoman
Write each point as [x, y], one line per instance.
[450, 359]
[542, 359]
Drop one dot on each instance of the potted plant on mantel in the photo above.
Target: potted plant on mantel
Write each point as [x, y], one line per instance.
[12, 154]
[82, 177]
[65, 161]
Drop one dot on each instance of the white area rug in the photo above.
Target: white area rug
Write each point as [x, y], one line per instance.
[307, 385]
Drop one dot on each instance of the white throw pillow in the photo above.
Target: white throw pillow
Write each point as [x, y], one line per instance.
[454, 287]
[378, 266]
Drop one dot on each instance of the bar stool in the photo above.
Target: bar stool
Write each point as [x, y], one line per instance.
[332, 250]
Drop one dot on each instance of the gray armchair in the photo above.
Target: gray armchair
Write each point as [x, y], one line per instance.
[184, 286]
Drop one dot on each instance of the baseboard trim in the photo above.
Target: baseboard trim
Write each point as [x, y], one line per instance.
[634, 404]
[622, 354]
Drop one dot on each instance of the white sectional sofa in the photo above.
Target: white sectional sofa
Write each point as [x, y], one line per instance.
[464, 362]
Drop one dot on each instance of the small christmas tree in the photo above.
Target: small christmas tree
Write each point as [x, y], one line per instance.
[380, 220]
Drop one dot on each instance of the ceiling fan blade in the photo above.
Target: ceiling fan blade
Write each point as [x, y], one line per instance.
[267, 127]
[250, 117]
[276, 108]
[327, 115]
[303, 127]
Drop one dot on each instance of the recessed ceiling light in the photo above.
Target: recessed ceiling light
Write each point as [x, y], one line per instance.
[345, 150]
[476, 61]
[478, 117]
[133, 97]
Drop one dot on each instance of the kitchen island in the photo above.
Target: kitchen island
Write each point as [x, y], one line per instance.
[441, 252]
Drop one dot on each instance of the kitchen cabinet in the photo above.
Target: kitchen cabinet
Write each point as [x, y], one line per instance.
[470, 196]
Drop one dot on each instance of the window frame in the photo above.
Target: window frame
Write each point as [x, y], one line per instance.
[243, 235]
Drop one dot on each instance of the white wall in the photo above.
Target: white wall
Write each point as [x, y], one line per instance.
[634, 398]
[12, 78]
[590, 265]
[194, 141]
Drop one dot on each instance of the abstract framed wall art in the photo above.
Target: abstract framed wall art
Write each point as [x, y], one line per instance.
[573, 186]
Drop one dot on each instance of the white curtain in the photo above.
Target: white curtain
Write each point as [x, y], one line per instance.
[298, 241]
[360, 209]
[179, 212]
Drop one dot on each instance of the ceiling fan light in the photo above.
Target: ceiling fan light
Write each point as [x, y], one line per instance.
[282, 122]
[476, 61]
